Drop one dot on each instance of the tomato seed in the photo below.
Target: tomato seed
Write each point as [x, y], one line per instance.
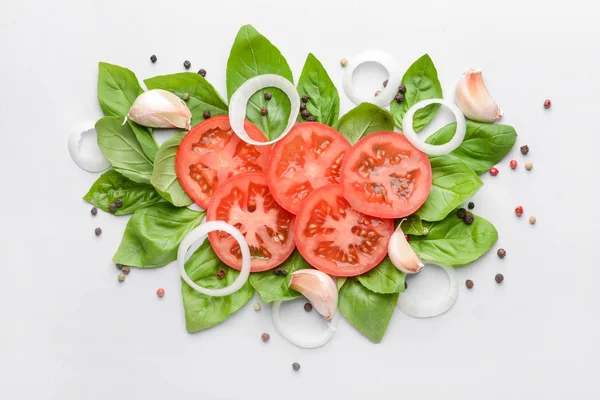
[268, 96]
[220, 274]
[265, 337]
[160, 292]
[308, 307]
[471, 205]
[494, 171]
[98, 231]
[519, 211]
[153, 58]
[126, 270]
[524, 149]
[296, 366]
[187, 64]
[202, 72]
[499, 278]
[501, 253]
[206, 114]
[513, 164]
[94, 211]
[469, 284]
[547, 103]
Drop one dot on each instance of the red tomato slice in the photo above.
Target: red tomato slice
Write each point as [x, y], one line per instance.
[385, 176]
[211, 153]
[245, 202]
[310, 156]
[335, 238]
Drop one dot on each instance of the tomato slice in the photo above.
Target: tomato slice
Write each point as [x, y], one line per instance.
[310, 156]
[211, 153]
[335, 238]
[385, 176]
[245, 202]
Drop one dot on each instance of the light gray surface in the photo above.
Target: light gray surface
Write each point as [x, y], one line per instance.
[70, 331]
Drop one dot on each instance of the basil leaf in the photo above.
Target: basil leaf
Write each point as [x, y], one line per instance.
[203, 96]
[323, 98]
[422, 83]
[384, 278]
[273, 287]
[164, 178]
[453, 182]
[452, 242]
[368, 311]
[112, 186]
[339, 282]
[145, 139]
[484, 145]
[117, 89]
[153, 235]
[202, 311]
[251, 55]
[412, 225]
[120, 146]
[364, 119]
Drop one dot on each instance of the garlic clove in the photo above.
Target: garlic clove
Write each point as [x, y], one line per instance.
[402, 255]
[319, 288]
[474, 100]
[159, 108]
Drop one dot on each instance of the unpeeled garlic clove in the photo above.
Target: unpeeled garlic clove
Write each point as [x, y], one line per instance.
[402, 255]
[474, 100]
[319, 288]
[158, 108]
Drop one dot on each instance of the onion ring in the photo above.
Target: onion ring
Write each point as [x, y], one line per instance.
[386, 61]
[307, 342]
[435, 150]
[201, 232]
[89, 162]
[239, 99]
[432, 308]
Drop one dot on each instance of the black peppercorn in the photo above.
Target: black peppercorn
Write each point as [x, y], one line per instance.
[119, 203]
[98, 231]
[264, 111]
[469, 284]
[280, 271]
[405, 285]
[94, 211]
[153, 58]
[296, 366]
[524, 149]
[221, 274]
[305, 98]
[126, 270]
[302, 107]
[499, 278]
[402, 89]
[385, 83]
[202, 72]
[268, 96]
[119, 266]
[112, 207]
[308, 307]
[399, 98]
[469, 219]
[312, 119]
[471, 205]
[305, 114]
[265, 337]
[501, 253]
[462, 213]
[187, 64]
[206, 114]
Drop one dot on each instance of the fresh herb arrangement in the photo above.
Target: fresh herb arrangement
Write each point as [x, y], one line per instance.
[146, 181]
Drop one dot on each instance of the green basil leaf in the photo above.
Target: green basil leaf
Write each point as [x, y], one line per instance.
[422, 83]
[203, 96]
[339, 282]
[364, 119]
[117, 89]
[251, 55]
[484, 145]
[452, 242]
[453, 182]
[384, 278]
[273, 287]
[202, 311]
[121, 148]
[368, 311]
[164, 179]
[323, 98]
[153, 235]
[112, 186]
[145, 139]
[412, 225]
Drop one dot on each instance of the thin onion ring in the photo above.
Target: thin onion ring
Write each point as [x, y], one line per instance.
[201, 232]
[304, 343]
[435, 150]
[239, 99]
[386, 61]
[431, 309]
[90, 163]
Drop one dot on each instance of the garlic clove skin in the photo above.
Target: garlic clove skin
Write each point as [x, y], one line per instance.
[319, 288]
[402, 255]
[474, 100]
[159, 108]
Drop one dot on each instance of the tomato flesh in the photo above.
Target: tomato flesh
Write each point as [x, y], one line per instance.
[384, 175]
[335, 238]
[310, 156]
[211, 153]
[245, 202]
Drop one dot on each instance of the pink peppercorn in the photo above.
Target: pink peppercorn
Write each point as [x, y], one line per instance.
[494, 171]
[519, 211]
[547, 103]
[513, 164]
[160, 292]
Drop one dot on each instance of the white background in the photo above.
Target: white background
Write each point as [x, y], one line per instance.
[69, 330]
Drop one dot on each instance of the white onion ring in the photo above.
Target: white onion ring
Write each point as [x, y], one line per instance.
[239, 99]
[386, 61]
[432, 308]
[88, 162]
[305, 342]
[431, 149]
[201, 232]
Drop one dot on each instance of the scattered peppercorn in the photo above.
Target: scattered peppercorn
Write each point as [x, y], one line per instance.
[499, 278]
[280, 271]
[202, 72]
[187, 64]
[308, 307]
[305, 114]
[399, 98]
[98, 231]
[305, 98]
[126, 270]
[121, 277]
[471, 205]
[256, 306]
[160, 292]
[519, 211]
[513, 164]
[94, 211]
[402, 89]
[268, 96]
[153, 58]
[462, 213]
[112, 207]
[501, 253]
[532, 220]
[528, 166]
[119, 266]
[469, 284]
[296, 366]
[494, 171]
[206, 114]
[265, 337]
[425, 231]
[302, 107]
[343, 62]
[186, 97]
[264, 111]
[547, 103]
[312, 118]
[524, 149]
[385, 82]
[377, 93]
[469, 219]
[119, 203]
[220, 274]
